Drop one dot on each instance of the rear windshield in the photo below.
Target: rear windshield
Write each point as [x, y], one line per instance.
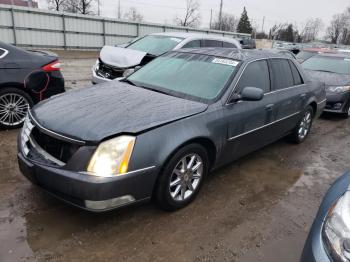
[155, 45]
[186, 75]
[339, 65]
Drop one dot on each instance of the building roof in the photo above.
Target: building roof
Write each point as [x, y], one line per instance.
[232, 53]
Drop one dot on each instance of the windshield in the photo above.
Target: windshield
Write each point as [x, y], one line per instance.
[305, 55]
[155, 44]
[186, 75]
[339, 65]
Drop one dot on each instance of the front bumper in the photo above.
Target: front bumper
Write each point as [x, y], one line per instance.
[98, 79]
[338, 103]
[89, 192]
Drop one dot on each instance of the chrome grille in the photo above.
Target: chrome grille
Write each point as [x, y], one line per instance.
[31, 148]
[25, 135]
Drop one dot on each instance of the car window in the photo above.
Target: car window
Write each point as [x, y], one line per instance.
[181, 74]
[281, 74]
[304, 55]
[257, 75]
[296, 75]
[155, 44]
[229, 45]
[212, 43]
[193, 44]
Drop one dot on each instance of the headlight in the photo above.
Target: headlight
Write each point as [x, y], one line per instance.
[112, 157]
[338, 89]
[97, 65]
[336, 229]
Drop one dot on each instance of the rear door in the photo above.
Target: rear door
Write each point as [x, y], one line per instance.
[287, 91]
[249, 121]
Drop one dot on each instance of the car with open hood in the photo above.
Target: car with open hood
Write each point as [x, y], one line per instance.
[334, 71]
[157, 133]
[26, 78]
[115, 61]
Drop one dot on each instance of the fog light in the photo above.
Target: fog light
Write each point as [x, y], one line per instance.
[110, 203]
[337, 106]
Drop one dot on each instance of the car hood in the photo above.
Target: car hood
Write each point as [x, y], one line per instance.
[329, 79]
[94, 113]
[121, 57]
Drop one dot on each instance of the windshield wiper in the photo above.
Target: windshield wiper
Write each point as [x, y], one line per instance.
[129, 82]
[326, 71]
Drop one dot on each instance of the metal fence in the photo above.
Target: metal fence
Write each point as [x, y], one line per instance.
[28, 27]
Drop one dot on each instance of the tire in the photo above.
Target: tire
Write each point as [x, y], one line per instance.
[177, 186]
[14, 105]
[347, 115]
[302, 130]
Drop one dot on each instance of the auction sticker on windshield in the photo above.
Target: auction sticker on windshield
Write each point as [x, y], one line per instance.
[225, 62]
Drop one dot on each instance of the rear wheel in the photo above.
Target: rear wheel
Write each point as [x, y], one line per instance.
[14, 106]
[303, 128]
[182, 178]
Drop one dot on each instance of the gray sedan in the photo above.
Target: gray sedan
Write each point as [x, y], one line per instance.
[160, 131]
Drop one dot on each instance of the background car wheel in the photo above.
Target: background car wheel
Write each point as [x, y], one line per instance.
[303, 128]
[182, 177]
[14, 105]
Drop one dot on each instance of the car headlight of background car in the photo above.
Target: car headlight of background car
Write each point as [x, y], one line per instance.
[338, 89]
[336, 229]
[112, 157]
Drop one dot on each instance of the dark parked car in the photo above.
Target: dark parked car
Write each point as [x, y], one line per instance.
[26, 77]
[329, 237]
[334, 71]
[165, 127]
[248, 43]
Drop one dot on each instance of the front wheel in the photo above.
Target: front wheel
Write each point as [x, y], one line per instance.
[303, 128]
[182, 177]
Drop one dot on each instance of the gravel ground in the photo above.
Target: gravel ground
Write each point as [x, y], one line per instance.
[259, 208]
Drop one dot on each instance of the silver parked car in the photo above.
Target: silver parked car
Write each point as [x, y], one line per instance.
[117, 61]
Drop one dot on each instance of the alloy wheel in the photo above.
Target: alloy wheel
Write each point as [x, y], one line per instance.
[186, 177]
[13, 109]
[304, 126]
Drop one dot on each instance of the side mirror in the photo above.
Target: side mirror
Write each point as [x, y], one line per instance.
[249, 94]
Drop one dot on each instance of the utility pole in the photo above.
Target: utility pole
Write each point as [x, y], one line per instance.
[263, 23]
[211, 18]
[98, 8]
[220, 15]
[119, 10]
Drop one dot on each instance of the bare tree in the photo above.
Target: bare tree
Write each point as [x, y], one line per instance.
[56, 5]
[79, 6]
[310, 30]
[192, 15]
[335, 30]
[133, 15]
[228, 23]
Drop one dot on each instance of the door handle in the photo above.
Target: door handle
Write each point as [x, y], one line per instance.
[269, 107]
[303, 95]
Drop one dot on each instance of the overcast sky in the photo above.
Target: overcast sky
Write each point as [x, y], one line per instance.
[275, 11]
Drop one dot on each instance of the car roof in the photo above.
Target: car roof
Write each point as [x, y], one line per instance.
[195, 36]
[233, 53]
[317, 50]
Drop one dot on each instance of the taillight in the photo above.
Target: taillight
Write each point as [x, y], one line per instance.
[54, 66]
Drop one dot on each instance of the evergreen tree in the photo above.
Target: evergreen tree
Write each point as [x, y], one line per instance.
[244, 25]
